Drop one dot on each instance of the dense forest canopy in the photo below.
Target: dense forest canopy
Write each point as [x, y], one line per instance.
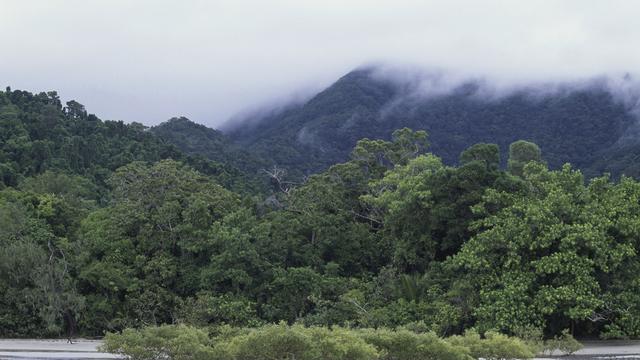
[106, 226]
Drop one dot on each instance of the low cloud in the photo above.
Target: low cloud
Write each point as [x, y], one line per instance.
[208, 60]
[415, 84]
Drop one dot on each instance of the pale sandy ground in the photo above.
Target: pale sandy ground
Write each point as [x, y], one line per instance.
[604, 350]
[51, 349]
[87, 349]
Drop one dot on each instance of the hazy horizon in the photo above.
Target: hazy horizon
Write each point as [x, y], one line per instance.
[149, 61]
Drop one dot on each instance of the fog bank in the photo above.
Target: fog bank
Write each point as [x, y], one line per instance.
[149, 60]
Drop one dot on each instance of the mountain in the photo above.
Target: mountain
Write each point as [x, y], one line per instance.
[196, 139]
[309, 138]
[583, 125]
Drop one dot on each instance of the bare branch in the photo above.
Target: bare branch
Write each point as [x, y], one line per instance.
[277, 174]
[366, 217]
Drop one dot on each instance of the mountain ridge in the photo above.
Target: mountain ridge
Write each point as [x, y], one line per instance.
[582, 125]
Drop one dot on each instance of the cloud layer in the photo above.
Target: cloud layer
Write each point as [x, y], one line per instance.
[150, 60]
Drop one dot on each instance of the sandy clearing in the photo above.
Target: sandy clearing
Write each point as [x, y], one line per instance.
[51, 349]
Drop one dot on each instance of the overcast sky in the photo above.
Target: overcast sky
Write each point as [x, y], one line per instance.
[150, 60]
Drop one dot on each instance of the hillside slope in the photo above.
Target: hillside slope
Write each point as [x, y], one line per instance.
[583, 126]
[196, 139]
[38, 133]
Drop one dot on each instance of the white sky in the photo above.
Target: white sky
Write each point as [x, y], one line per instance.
[150, 60]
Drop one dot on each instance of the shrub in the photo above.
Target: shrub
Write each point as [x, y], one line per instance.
[283, 342]
[613, 331]
[341, 344]
[176, 342]
[565, 343]
[298, 342]
[532, 336]
[494, 346]
[407, 345]
[273, 342]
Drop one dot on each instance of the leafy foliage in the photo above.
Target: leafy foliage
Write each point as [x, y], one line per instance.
[163, 342]
[309, 343]
[565, 343]
[199, 140]
[37, 134]
[494, 346]
[104, 227]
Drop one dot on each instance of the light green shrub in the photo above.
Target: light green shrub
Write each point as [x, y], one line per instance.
[176, 342]
[274, 342]
[341, 344]
[407, 345]
[494, 346]
[297, 342]
[532, 336]
[565, 343]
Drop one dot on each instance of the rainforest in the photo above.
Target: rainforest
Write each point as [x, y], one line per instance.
[107, 226]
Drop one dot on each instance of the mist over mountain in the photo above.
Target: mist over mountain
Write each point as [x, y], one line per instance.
[580, 122]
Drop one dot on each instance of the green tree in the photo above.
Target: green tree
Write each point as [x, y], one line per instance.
[489, 154]
[539, 259]
[520, 154]
[148, 248]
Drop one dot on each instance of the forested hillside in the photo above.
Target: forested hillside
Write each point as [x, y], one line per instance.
[576, 124]
[38, 134]
[199, 140]
[103, 226]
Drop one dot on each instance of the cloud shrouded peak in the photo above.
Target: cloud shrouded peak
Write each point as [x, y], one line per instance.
[148, 61]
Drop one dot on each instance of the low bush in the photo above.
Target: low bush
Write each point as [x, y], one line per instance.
[494, 346]
[565, 343]
[532, 336]
[273, 342]
[299, 343]
[340, 343]
[407, 345]
[176, 342]
[284, 342]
